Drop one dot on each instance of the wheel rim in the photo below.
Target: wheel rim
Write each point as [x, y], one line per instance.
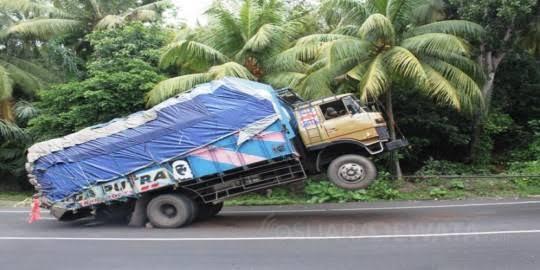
[352, 172]
[168, 210]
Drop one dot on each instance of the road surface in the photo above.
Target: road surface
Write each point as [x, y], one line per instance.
[498, 234]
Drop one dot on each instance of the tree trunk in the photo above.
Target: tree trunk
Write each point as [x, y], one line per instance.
[394, 158]
[6, 112]
[489, 59]
[491, 63]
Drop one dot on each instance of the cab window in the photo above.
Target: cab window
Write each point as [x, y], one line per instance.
[352, 105]
[333, 109]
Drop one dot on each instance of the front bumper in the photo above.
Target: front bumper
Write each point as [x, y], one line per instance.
[63, 214]
[396, 144]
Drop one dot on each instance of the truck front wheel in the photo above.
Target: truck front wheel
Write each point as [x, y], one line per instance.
[352, 172]
[171, 210]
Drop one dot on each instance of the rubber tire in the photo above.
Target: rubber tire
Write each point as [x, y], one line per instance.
[186, 210]
[209, 210]
[367, 164]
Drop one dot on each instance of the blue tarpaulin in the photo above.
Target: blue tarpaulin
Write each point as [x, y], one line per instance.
[68, 165]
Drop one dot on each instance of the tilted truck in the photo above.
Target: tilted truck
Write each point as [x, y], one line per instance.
[178, 161]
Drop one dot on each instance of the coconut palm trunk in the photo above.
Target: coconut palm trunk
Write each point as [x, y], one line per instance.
[394, 157]
[6, 112]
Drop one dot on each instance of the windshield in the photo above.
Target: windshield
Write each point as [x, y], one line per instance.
[352, 105]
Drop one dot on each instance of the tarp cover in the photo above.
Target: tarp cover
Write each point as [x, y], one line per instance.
[65, 166]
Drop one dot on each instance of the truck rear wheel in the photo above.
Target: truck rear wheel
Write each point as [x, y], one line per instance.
[352, 172]
[209, 210]
[171, 210]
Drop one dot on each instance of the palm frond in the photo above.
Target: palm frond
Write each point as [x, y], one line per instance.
[173, 86]
[467, 65]
[394, 7]
[320, 38]
[349, 30]
[24, 110]
[338, 13]
[190, 51]
[269, 12]
[468, 90]
[295, 59]
[27, 82]
[460, 28]
[31, 67]
[230, 69]
[375, 80]
[402, 62]
[27, 6]
[378, 27]
[377, 6]
[45, 28]
[155, 6]
[348, 48]
[248, 20]
[316, 83]
[11, 132]
[434, 43]
[284, 79]
[440, 88]
[266, 36]
[10, 153]
[110, 21]
[143, 15]
[358, 71]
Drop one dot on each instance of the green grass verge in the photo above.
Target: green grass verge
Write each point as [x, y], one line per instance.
[9, 199]
[321, 191]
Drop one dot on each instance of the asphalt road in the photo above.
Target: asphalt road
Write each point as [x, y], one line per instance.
[401, 235]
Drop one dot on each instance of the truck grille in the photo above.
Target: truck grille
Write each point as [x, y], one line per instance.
[383, 133]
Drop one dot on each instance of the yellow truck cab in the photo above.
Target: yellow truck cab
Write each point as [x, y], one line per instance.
[339, 135]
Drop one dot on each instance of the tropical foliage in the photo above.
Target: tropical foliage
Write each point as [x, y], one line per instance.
[453, 75]
[80, 17]
[377, 45]
[239, 41]
[122, 68]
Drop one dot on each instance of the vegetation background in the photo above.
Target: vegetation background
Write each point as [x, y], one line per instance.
[461, 79]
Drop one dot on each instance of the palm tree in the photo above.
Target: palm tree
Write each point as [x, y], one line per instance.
[377, 44]
[238, 42]
[20, 73]
[81, 17]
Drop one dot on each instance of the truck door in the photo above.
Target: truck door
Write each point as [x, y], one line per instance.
[344, 119]
[337, 119]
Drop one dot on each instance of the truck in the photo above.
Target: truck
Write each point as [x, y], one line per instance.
[180, 160]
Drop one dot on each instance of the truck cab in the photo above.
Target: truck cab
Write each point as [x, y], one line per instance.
[338, 136]
[340, 119]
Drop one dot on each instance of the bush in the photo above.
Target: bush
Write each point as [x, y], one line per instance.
[324, 191]
[457, 185]
[121, 70]
[438, 192]
[445, 167]
[383, 189]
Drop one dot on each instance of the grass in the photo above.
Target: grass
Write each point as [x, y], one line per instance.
[427, 189]
[320, 191]
[10, 198]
